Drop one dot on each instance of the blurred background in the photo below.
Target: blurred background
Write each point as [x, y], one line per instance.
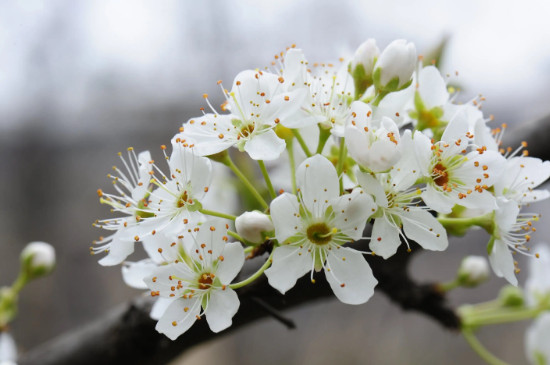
[80, 81]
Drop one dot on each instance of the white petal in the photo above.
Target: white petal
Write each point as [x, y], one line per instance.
[502, 262]
[265, 146]
[295, 69]
[350, 276]
[351, 212]
[432, 87]
[160, 306]
[484, 201]
[384, 238]
[204, 133]
[506, 214]
[8, 349]
[372, 186]
[222, 306]
[420, 226]
[176, 314]
[537, 337]
[437, 200]
[133, 273]
[538, 283]
[456, 129]
[187, 167]
[285, 211]
[406, 171]
[423, 152]
[119, 249]
[213, 234]
[233, 261]
[317, 179]
[289, 264]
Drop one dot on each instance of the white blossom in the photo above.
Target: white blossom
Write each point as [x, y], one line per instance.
[374, 146]
[511, 232]
[197, 283]
[258, 102]
[313, 227]
[132, 186]
[454, 175]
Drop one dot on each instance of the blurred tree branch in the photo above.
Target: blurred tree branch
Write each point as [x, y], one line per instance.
[127, 334]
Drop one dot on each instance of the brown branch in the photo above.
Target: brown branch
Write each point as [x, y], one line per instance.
[127, 334]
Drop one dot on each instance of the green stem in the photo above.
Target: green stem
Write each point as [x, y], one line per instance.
[499, 316]
[267, 179]
[229, 163]
[301, 142]
[379, 97]
[254, 276]
[324, 134]
[488, 357]
[20, 282]
[235, 236]
[217, 214]
[448, 286]
[340, 165]
[290, 150]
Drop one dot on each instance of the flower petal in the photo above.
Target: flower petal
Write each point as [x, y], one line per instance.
[350, 276]
[384, 238]
[502, 262]
[289, 264]
[133, 273]
[232, 263]
[420, 226]
[285, 214]
[179, 317]
[222, 306]
[265, 146]
[317, 179]
[432, 87]
[160, 306]
[204, 133]
[119, 249]
[351, 212]
[372, 186]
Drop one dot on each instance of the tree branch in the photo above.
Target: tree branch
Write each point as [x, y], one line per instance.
[127, 334]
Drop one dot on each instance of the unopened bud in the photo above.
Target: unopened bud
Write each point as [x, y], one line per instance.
[362, 65]
[38, 259]
[473, 271]
[511, 296]
[251, 225]
[394, 68]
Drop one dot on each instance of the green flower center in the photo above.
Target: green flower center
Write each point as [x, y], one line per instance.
[319, 233]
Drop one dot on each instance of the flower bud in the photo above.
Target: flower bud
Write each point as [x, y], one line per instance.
[473, 271]
[38, 259]
[394, 68]
[251, 225]
[362, 65]
[511, 296]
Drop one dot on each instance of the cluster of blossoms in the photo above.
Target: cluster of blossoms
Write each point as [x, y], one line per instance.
[379, 141]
